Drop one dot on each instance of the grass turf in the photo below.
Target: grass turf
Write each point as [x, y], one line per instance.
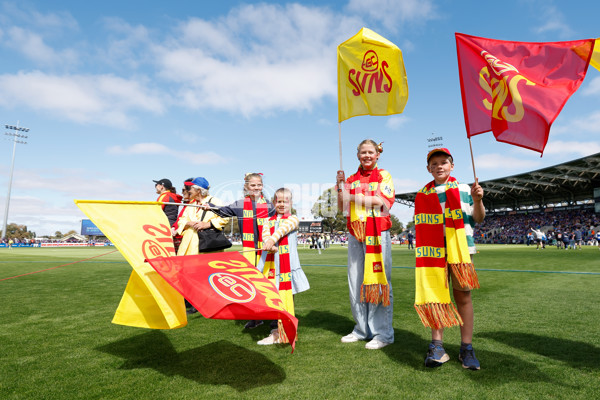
[536, 335]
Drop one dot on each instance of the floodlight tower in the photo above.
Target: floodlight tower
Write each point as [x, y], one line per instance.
[15, 132]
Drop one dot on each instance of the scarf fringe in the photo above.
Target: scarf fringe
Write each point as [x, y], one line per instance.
[282, 336]
[438, 316]
[466, 275]
[375, 293]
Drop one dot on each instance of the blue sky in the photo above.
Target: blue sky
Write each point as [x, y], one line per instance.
[118, 93]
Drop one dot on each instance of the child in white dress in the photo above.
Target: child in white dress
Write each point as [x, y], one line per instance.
[279, 261]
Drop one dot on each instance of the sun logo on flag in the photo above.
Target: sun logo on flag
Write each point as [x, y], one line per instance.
[506, 101]
[152, 249]
[232, 287]
[370, 61]
[374, 77]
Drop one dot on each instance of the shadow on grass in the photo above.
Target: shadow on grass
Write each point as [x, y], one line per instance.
[328, 321]
[497, 368]
[408, 348]
[218, 363]
[576, 354]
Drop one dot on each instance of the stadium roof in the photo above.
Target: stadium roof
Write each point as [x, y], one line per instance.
[569, 183]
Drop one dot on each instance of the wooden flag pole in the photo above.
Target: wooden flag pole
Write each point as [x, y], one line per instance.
[472, 160]
[341, 185]
[340, 140]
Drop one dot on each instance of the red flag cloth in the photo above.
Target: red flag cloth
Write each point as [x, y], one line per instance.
[226, 286]
[517, 89]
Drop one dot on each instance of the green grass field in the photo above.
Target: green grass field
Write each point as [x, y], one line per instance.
[536, 334]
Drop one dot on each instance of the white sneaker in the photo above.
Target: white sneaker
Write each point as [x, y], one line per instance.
[375, 345]
[273, 338]
[350, 338]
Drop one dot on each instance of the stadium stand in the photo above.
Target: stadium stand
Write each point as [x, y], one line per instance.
[559, 199]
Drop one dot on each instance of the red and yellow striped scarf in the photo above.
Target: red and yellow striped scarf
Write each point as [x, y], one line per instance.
[249, 242]
[435, 252]
[285, 273]
[375, 288]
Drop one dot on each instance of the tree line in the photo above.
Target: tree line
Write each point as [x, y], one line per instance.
[333, 219]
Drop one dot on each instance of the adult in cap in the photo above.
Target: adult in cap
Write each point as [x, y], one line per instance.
[167, 194]
[195, 219]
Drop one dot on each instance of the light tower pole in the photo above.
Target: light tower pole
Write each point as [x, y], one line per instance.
[15, 132]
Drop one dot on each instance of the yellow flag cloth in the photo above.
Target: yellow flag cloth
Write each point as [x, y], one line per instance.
[595, 61]
[140, 230]
[371, 76]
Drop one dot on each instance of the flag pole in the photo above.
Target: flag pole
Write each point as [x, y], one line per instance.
[472, 160]
[340, 140]
[162, 203]
[341, 185]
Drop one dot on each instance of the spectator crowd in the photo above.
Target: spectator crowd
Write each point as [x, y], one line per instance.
[558, 227]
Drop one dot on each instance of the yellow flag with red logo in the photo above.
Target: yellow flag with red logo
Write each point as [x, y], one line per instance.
[371, 76]
[595, 61]
[140, 230]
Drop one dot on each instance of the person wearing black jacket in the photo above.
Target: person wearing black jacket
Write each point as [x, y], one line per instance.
[166, 194]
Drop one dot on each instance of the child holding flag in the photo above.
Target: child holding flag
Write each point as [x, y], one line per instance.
[252, 212]
[445, 212]
[366, 198]
[279, 260]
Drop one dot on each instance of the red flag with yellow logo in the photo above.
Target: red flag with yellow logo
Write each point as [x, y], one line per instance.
[226, 286]
[517, 89]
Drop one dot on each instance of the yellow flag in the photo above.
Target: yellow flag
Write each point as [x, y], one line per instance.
[371, 76]
[140, 230]
[595, 61]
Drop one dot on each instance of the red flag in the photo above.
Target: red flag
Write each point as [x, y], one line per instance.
[226, 286]
[517, 89]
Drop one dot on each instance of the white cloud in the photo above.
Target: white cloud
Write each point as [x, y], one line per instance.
[593, 86]
[395, 13]
[258, 59]
[187, 137]
[25, 210]
[32, 46]
[580, 127]
[503, 162]
[127, 45]
[99, 99]
[43, 199]
[404, 213]
[157, 148]
[326, 121]
[396, 122]
[580, 149]
[13, 13]
[589, 123]
[28, 32]
[553, 21]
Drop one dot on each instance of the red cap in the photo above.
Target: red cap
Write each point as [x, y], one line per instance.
[442, 150]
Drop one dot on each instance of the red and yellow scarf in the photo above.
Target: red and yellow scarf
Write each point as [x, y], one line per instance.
[285, 273]
[249, 242]
[436, 252]
[363, 226]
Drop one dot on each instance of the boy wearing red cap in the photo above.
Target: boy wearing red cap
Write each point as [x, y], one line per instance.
[445, 212]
